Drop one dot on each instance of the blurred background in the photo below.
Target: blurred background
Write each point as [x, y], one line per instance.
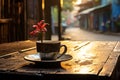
[66, 18]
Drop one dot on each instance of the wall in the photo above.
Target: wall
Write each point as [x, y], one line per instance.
[115, 9]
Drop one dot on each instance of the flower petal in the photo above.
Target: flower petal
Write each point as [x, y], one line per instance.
[40, 23]
[44, 25]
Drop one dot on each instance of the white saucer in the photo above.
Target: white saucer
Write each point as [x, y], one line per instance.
[36, 58]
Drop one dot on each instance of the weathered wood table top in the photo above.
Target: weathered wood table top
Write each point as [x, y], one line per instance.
[92, 60]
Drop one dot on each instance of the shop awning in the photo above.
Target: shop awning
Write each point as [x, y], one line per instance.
[87, 11]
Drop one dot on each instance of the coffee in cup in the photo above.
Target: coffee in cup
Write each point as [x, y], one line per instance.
[50, 50]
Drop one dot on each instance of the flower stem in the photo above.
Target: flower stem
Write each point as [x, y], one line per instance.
[41, 37]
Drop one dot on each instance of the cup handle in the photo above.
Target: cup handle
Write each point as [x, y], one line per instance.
[65, 50]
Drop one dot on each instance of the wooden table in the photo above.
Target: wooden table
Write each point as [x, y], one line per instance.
[92, 60]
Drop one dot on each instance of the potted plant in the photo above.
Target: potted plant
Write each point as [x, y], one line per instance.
[48, 50]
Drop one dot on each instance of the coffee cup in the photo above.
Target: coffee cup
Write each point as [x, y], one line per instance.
[50, 50]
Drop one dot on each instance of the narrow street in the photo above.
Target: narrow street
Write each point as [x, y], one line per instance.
[83, 35]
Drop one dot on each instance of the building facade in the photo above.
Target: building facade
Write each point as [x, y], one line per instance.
[95, 18]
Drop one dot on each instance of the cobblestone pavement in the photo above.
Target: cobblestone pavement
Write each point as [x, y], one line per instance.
[76, 33]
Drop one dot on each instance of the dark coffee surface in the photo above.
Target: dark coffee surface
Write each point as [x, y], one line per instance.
[48, 46]
[48, 42]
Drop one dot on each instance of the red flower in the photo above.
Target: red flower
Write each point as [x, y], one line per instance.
[39, 27]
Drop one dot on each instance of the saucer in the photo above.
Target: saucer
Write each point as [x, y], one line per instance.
[36, 58]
